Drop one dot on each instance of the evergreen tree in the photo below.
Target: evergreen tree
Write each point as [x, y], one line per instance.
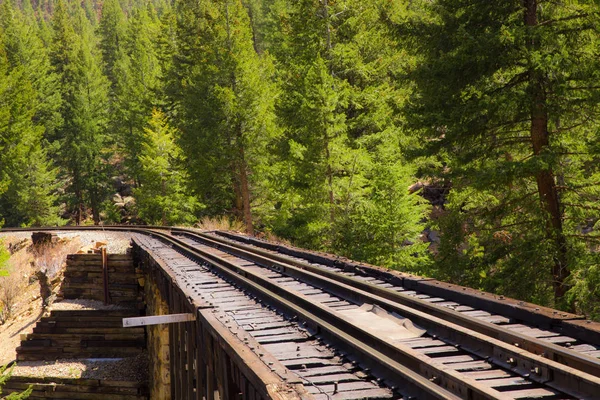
[162, 197]
[90, 12]
[4, 116]
[29, 178]
[507, 100]
[257, 10]
[4, 376]
[111, 30]
[224, 103]
[137, 86]
[337, 64]
[82, 136]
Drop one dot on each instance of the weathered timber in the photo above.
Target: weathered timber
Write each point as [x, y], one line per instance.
[81, 389]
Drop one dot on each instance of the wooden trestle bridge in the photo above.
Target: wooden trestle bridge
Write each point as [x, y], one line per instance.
[267, 321]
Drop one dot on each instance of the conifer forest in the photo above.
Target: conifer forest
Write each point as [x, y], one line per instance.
[449, 138]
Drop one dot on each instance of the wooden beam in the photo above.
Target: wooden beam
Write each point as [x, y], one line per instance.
[158, 319]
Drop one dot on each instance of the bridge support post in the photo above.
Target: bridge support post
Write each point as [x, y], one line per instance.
[158, 343]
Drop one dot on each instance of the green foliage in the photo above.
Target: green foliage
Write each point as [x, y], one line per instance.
[162, 197]
[341, 181]
[4, 377]
[4, 257]
[507, 101]
[112, 36]
[224, 101]
[82, 137]
[312, 120]
[137, 85]
[27, 179]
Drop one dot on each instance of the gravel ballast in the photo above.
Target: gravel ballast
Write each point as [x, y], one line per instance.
[119, 369]
[117, 242]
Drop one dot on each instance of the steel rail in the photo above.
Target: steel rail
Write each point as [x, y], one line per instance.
[553, 374]
[549, 351]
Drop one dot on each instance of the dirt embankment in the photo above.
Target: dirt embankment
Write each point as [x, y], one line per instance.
[21, 303]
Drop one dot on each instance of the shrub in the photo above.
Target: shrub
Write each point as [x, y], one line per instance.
[222, 223]
[4, 376]
[49, 258]
[4, 257]
[48, 261]
[10, 287]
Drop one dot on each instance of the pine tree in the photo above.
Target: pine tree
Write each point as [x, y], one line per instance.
[29, 177]
[224, 101]
[507, 101]
[312, 110]
[341, 168]
[138, 85]
[4, 116]
[82, 136]
[162, 197]
[4, 376]
[111, 30]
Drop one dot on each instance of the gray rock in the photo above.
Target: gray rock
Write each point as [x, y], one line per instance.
[434, 237]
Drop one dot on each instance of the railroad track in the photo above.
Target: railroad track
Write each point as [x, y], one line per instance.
[304, 310]
[389, 286]
[473, 362]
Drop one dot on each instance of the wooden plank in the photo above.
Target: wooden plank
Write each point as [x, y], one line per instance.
[200, 361]
[190, 348]
[158, 319]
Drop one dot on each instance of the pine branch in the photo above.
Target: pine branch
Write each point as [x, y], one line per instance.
[569, 18]
[585, 237]
[505, 204]
[582, 88]
[495, 228]
[575, 188]
[585, 207]
[514, 81]
[568, 128]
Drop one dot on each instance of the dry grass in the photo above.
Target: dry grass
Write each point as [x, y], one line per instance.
[225, 223]
[222, 223]
[24, 262]
[271, 237]
[50, 258]
[10, 288]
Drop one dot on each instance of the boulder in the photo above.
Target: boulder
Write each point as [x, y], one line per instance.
[43, 238]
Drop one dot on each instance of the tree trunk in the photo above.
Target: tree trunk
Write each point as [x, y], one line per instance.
[327, 27]
[240, 166]
[245, 191]
[78, 197]
[95, 207]
[330, 183]
[545, 179]
[327, 151]
[163, 189]
[250, 8]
